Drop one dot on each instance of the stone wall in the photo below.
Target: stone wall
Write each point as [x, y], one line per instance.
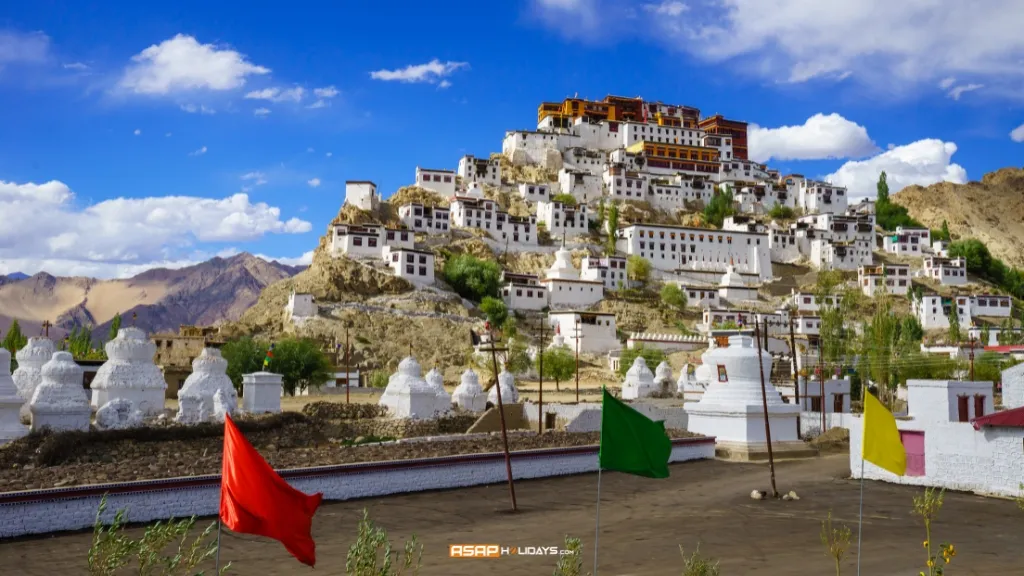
[399, 427]
[60, 509]
[957, 457]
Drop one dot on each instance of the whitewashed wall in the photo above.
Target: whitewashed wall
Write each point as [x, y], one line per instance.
[586, 416]
[957, 457]
[44, 511]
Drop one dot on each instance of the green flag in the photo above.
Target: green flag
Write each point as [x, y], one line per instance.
[631, 442]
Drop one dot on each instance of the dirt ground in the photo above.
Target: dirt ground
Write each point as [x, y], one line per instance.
[643, 522]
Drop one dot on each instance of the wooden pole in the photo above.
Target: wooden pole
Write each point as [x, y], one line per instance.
[501, 414]
[972, 358]
[764, 405]
[821, 384]
[348, 368]
[579, 335]
[540, 375]
[796, 376]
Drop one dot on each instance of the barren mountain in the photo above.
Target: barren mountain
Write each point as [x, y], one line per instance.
[991, 210]
[207, 293]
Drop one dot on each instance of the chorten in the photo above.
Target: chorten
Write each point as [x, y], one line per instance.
[639, 381]
[557, 341]
[562, 268]
[663, 374]
[408, 395]
[11, 427]
[29, 374]
[509, 394]
[436, 381]
[469, 395]
[196, 397]
[731, 408]
[60, 402]
[129, 373]
[473, 190]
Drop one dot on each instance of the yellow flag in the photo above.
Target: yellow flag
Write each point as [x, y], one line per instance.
[881, 443]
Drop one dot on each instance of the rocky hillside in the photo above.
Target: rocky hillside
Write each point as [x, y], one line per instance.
[208, 293]
[991, 210]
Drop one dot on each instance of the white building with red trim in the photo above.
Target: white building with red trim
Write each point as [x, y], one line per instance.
[439, 181]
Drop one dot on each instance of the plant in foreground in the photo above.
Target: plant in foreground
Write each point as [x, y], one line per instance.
[835, 540]
[113, 550]
[372, 555]
[697, 565]
[927, 506]
[571, 563]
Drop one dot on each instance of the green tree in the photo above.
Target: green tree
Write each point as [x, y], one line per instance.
[883, 188]
[979, 259]
[245, 356]
[954, 332]
[638, 269]
[835, 306]
[600, 213]
[472, 277]
[14, 341]
[301, 364]
[673, 296]
[612, 228]
[781, 212]
[79, 341]
[115, 325]
[653, 357]
[911, 331]
[880, 351]
[944, 232]
[559, 364]
[719, 208]
[495, 310]
[563, 198]
[517, 360]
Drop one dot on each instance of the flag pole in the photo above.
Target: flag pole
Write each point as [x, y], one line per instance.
[597, 527]
[219, 523]
[860, 516]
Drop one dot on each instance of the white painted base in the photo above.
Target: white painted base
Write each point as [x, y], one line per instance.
[149, 402]
[743, 424]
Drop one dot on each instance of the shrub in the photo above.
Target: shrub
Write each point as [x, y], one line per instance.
[567, 199]
[653, 357]
[673, 296]
[571, 563]
[372, 553]
[927, 506]
[697, 565]
[835, 540]
[495, 310]
[378, 379]
[471, 277]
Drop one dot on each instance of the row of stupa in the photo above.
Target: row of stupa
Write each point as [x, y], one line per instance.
[409, 394]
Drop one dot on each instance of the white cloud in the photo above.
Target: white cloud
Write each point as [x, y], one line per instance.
[182, 63]
[329, 154]
[200, 109]
[19, 47]
[958, 91]
[667, 8]
[820, 137]
[78, 66]
[947, 83]
[432, 72]
[889, 46]
[295, 94]
[137, 132]
[317, 104]
[310, 149]
[1018, 134]
[444, 84]
[199, 152]
[923, 162]
[261, 111]
[314, 182]
[326, 92]
[122, 236]
[256, 178]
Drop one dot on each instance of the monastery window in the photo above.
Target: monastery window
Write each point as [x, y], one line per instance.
[423, 270]
[447, 178]
[409, 268]
[357, 241]
[410, 258]
[405, 236]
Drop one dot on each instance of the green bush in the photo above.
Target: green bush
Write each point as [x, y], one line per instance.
[495, 310]
[471, 277]
[372, 554]
[653, 357]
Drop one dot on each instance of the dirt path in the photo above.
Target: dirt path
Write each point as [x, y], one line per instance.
[643, 523]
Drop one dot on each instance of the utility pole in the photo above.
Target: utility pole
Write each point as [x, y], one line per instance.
[501, 414]
[348, 365]
[764, 405]
[579, 336]
[821, 384]
[972, 358]
[796, 377]
[540, 375]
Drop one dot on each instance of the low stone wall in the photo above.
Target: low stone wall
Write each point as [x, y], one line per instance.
[62, 509]
[399, 427]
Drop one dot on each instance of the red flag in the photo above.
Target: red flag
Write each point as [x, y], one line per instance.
[255, 500]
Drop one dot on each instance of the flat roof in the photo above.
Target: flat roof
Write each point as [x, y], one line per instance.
[359, 182]
[571, 280]
[414, 250]
[435, 170]
[701, 230]
[580, 312]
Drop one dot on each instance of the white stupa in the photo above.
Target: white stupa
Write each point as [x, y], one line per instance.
[29, 374]
[11, 402]
[60, 402]
[408, 395]
[557, 341]
[129, 373]
[689, 386]
[209, 375]
[118, 414]
[473, 190]
[436, 381]
[469, 395]
[731, 409]
[639, 381]
[509, 394]
[663, 374]
[562, 268]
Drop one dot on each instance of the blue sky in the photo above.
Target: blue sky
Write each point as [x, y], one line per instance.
[129, 129]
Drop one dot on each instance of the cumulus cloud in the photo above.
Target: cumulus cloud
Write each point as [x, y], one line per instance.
[432, 72]
[255, 178]
[314, 182]
[182, 63]
[198, 152]
[1018, 134]
[295, 94]
[200, 109]
[820, 137]
[19, 47]
[878, 42]
[123, 236]
[923, 162]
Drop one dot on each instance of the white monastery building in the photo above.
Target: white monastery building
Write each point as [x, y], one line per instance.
[413, 265]
[947, 271]
[482, 170]
[671, 248]
[584, 186]
[362, 194]
[809, 302]
[440, 181]
[563, 218]
[893, 279]
[907, 241]
[566, 288]
[933, 310]
[368, 240]
[475, 211]
[593, 331]
[610, 270]
[534, 193]
[426, 219]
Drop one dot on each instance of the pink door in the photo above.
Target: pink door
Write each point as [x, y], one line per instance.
[913, 443]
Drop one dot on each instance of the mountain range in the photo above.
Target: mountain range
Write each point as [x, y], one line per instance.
[162, 299]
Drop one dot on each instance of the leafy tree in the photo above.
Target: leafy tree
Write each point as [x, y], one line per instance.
[115, 325]
[943, 233]
[954, 322]
[302, 364]
[835, 305]
[883, 188]
[673, 296]
[517, 360]
[911, 330]
[879, 345]
[638, 269]
[564, 199]
[495, 310]
[14, 341]
[600, 212]
[244, 356]
[471, 277]
[612, 228]
[719, 208]
[781, 212]
[653, 357]
[559, 364]
[79, 342]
